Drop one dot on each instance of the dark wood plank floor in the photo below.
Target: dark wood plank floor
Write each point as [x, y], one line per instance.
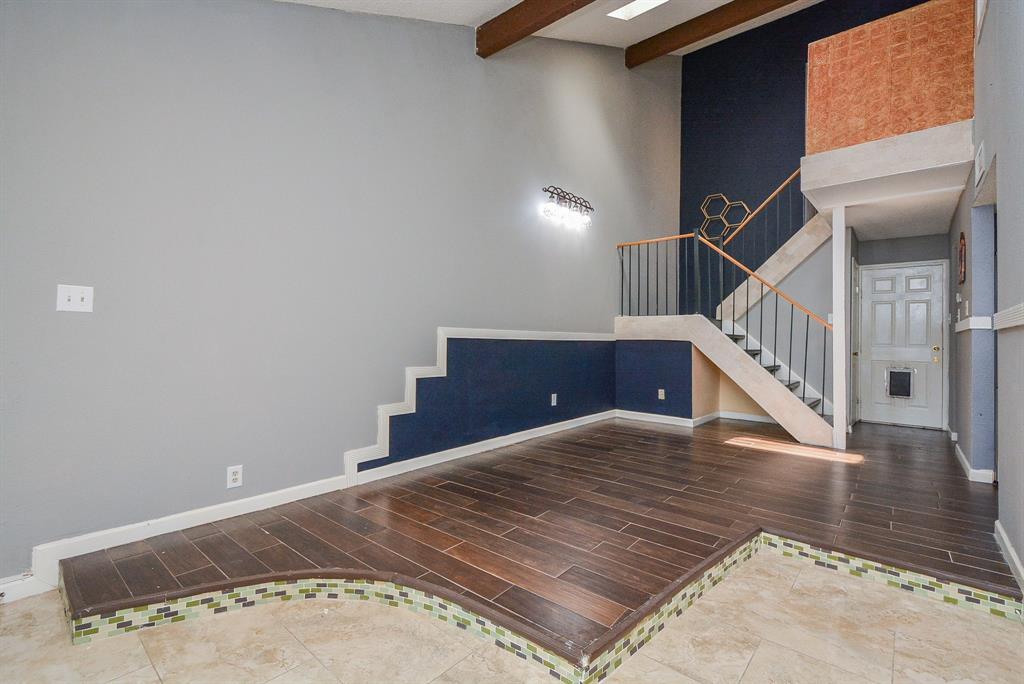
[572, 533]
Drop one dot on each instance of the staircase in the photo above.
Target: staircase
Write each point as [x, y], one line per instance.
[780, 401]
[775, 348]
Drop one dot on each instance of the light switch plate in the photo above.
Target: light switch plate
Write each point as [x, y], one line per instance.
[77, 298]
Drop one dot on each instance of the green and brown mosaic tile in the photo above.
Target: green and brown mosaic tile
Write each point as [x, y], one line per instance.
[919, 584]
[592, 667]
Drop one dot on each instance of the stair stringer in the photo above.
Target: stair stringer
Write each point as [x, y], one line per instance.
[799, 420]
[784, 261]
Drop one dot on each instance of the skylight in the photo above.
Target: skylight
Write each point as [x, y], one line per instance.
[635, 9]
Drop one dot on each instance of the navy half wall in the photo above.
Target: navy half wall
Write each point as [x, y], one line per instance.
[642, 367]
[499, 387]
[743, 108]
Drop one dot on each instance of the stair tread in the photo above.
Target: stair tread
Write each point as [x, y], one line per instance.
[774, 368]
[792, 385]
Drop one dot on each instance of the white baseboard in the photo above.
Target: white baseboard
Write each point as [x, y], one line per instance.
[21, 586]
[692, 422]
[1010, 554]
[752, 417]
[353, 457]
[46, 557]
[973, 474]
[428, 460]
[435, 458]
[659, 418]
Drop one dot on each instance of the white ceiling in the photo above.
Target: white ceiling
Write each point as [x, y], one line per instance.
[463, 12]
[587, 25]
[593, 25]
[925, 214]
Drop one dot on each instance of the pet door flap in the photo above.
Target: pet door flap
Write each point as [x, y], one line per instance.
[900, 382]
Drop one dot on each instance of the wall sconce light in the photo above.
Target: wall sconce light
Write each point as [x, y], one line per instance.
[566, 209]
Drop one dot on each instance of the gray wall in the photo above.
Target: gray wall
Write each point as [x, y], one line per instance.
[998, 121]
[972, 373]
[277, 206]
[809, 283]
[896, 250]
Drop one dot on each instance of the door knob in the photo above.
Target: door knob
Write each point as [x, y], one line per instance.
[936, 348]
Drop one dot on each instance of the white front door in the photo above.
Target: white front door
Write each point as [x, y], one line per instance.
[901, 369]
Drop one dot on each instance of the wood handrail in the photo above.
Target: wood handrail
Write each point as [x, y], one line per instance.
[653, 240]
[760, 208]
[764, 282]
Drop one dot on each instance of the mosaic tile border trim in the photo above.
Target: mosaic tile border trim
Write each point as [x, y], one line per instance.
[87, 629]
[94, 627]
[612, 658]
[917, 583]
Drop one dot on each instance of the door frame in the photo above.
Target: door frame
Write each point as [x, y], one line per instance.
[944, 264]
[855, 343]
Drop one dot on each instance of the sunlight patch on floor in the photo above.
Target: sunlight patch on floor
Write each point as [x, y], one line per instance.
[796, 450]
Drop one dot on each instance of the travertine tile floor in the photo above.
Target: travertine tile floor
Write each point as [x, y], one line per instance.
[772, 620]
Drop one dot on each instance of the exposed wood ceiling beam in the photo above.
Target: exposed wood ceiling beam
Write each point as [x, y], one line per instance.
[523, 20]
[704, 26]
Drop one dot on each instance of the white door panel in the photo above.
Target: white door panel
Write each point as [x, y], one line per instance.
[902, 318]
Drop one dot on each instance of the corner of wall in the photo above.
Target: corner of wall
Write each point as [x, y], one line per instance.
[705, 386]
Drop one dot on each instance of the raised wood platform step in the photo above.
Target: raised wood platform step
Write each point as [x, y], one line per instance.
[565, 537]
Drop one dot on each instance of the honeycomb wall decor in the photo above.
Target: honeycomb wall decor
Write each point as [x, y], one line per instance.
[721, 216]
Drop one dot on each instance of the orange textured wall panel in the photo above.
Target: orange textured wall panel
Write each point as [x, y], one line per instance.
[907, 72]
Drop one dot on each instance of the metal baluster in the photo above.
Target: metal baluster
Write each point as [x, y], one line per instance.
[746, 327]
[629, 292]
[760, 322]
[775, 333]
[824, 357]
[732, 297]
[685, 265]
[721, 281]
[638, 280]
[778, 241]
[696, 269]
[647, 279]
[680, 275]
[792, 313]
[657, 277]
[807, 330]
[792, 228]
[622, 280]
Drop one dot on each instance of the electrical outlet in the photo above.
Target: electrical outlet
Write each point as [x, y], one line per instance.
[234, 476]
[661, 394]
[76, 298]
[554, 400]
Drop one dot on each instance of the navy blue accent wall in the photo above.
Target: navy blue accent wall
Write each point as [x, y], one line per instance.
[498, 387]
[743, 107]
[644, 366]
